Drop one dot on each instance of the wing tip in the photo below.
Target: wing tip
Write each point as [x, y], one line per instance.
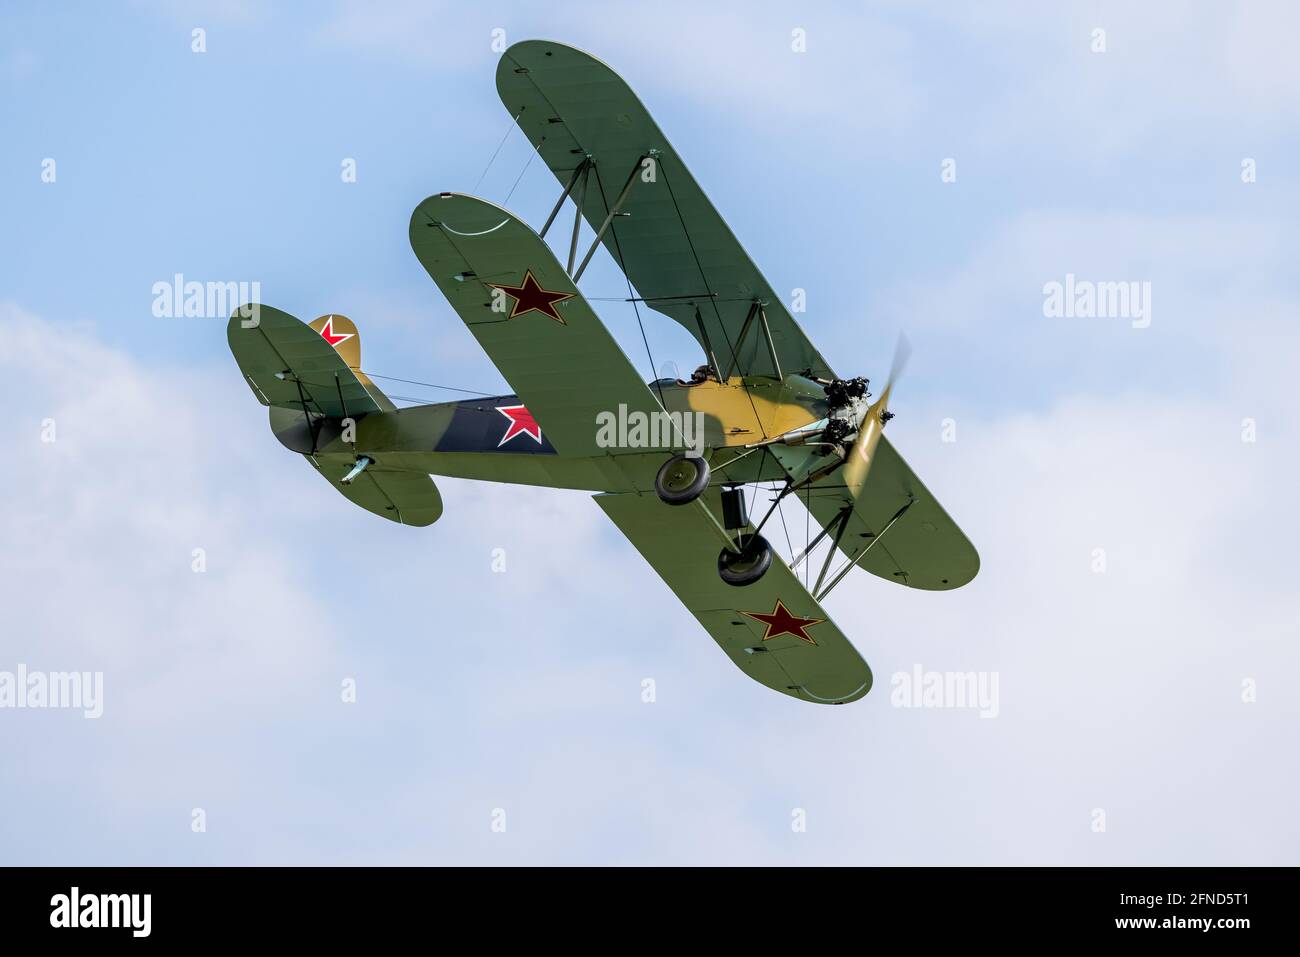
[525, 55]
[804, 693]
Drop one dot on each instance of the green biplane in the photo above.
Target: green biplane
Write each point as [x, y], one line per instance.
[670, 458]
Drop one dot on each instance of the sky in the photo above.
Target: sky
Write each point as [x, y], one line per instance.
[1127, 482]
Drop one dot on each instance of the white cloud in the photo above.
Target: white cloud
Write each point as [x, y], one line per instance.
[100, 528]
[1119, 690]
[1219, 318]
[1172, 73]
[880, 81]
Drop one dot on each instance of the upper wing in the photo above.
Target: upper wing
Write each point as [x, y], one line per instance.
[682, 545]
[672, 244]
[287, 363]
[552, 349]
[924, 548]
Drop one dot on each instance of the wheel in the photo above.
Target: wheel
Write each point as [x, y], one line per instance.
[749, 565]
[681, 479]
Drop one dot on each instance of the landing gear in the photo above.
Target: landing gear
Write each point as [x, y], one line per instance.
[749, 564]
[682, 479]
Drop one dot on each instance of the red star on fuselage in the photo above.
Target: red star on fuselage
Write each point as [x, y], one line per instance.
[781, 622]
[521, 423]
[334, 338]
[529, 296]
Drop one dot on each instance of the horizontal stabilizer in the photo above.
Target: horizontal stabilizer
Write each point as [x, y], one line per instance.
[407, 498]
[288, 363]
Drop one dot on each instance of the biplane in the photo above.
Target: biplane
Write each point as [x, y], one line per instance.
[768, 409]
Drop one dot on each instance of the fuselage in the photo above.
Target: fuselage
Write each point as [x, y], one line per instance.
[495, 439]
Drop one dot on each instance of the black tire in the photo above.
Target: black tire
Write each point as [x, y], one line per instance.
[747, 567]
[682, 479]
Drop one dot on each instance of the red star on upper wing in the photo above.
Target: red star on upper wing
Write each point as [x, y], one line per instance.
[334, 338]
[781, 622]
[529, 296]
[521, 423]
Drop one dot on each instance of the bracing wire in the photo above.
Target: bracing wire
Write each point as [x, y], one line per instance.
[700, 266]
[532, 154]
[427, 385]
[780, 509]
[509, 130]
[807, 532]
[613, 231]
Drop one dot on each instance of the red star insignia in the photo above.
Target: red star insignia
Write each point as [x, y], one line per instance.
[334, 338]
[521, 423]
[529, 296]
[781, 622]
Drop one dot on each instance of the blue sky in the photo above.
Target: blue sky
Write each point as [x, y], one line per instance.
[1120, 690]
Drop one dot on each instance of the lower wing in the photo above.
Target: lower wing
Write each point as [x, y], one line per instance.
[772, 630]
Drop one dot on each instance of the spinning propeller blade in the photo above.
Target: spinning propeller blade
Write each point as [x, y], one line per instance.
[858, 463]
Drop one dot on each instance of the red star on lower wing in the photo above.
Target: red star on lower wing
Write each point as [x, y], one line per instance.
[529, 296]
[334, 338]
[781, 622]
[521, 423]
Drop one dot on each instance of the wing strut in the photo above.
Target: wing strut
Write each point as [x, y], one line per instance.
[830, 552]
[835, 523]
[849, 565]
[577, 171]
[613, 211]
[740, 340]
[756, 311]
[577, 218]
[708, 346]
[311, 429]
[771, 346]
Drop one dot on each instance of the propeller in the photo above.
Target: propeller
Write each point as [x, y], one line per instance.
[857, 464]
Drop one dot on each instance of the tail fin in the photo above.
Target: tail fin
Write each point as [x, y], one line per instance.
[341, 333]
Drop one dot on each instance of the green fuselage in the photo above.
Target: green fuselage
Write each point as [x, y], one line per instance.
[494, 439]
